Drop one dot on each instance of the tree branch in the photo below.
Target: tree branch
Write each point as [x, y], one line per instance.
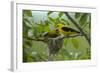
[59, 37]
[39, 39]
[72, 36]
[77, 25]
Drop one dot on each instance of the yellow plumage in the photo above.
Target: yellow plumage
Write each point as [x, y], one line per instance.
[52, 34]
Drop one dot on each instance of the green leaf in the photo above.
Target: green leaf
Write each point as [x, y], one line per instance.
[79, 55]
[57, 20]
[52, 20]
[77, 15]
[35, 32]
[27, 13]
[83, 19]
[46, 22]
[46, 28]
[50, 12]
[60, 14]
[27, 21]
[89, 21]
[66, 53]
[65, 42]
[75, 43]
[65, 21]
[25, 28]
[28, 43]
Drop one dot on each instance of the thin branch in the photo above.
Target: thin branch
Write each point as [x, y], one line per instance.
[77, 25]
[39, 39]
[59, 37]
[72, 36]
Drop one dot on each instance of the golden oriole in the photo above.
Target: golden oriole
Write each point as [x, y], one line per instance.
[52, 34]
[66, 31]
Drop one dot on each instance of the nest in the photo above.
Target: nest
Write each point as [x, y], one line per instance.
[54, 45]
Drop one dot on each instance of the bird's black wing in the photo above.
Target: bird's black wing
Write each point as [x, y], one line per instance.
[68, 29]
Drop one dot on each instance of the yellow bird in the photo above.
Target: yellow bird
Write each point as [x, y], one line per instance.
[52, 34]
[66, 31]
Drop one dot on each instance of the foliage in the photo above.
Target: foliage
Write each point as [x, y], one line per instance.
[76, 48]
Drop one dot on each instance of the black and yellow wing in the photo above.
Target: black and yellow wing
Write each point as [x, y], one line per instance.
[68, 31]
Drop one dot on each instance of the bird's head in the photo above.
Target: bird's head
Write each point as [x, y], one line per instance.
[59, 25]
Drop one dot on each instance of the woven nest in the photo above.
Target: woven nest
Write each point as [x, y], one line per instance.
[54, 45]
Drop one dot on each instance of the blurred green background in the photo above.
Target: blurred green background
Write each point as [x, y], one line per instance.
[35, 23]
